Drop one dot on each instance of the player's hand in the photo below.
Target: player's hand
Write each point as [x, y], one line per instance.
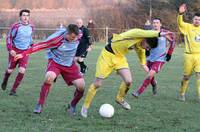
[165, 33]
[168, 57]
[182, 8]
[13, 53]
[145, 67]
[18, 56]
[169, 37]
[89, 48]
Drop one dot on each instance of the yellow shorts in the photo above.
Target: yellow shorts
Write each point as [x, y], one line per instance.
[191, 63]
[107, 62]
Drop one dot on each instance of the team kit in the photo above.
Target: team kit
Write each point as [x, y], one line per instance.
[67, 49]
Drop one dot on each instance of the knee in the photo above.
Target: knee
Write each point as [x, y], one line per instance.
[198, 75]
[81, 85]
[9, 70]
[22, 70]
[49, 78]
[128, 83]
[97, 83]
[186, 77]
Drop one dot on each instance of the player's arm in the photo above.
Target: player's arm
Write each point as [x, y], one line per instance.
[9, 40]
[52, 43]
[142, 57]
[181, 24]
[88, 39]
[140, 33]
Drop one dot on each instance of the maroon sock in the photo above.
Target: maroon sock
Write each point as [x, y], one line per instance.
[44, 93]
[153, 81]
[18, 80]
[77, 96]
[144, 85]
[6, 76]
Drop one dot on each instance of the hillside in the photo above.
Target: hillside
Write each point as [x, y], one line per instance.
[112, 13]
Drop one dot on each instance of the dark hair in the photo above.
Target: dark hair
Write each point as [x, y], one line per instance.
[73, 28]
[197, 14]
[153, 42]
[156, 18]
[24, 10]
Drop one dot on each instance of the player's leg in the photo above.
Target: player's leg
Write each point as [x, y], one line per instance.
[103, 69]
[49, 78]
[17, 81]
[124, 87]
[197, 71]
[5, 78]
[11, 66]
[80, 56]
[154, 68]
[154, 85]
[184, 86]
[82, 64]
[187, 71]
[78, 94]
[22, 68]
[145, 83]
[198, 84]
[123, 70]
[157, 66]
[72, 76]
[51, 74]
[90, 95]
[153, 80]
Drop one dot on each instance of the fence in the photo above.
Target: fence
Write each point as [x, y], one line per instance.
[98, 34]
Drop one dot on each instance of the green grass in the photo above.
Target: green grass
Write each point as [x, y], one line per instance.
[162, 112]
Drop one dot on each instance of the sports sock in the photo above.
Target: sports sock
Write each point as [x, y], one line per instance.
[183, 88]
[77, 96]
[44, 93]
[6, 76]
[144, 85]
[82, 66]
[153, 81]
[90, 95]
[123, 89]
[18, 80]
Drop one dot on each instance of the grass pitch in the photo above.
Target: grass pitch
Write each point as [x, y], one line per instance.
[163, 112]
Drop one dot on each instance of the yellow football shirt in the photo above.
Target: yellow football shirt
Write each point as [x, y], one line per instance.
[191, 36]
[124, 42]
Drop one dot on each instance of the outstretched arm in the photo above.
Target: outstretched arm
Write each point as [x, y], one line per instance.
[181, 24]
[55, 42]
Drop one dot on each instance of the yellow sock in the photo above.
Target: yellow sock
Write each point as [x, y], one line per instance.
[123, 89]
[198, 87]
[183, 88]
[90, 95]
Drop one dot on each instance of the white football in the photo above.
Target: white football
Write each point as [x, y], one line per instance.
[106, 110]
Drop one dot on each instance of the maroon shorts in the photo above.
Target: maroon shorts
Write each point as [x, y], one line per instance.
[21, 62]
[69, 74]
[156, 66]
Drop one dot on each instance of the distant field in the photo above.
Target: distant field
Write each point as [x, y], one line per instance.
[163, 112]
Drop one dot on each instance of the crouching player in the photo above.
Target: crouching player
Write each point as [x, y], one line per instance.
[113, 57]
